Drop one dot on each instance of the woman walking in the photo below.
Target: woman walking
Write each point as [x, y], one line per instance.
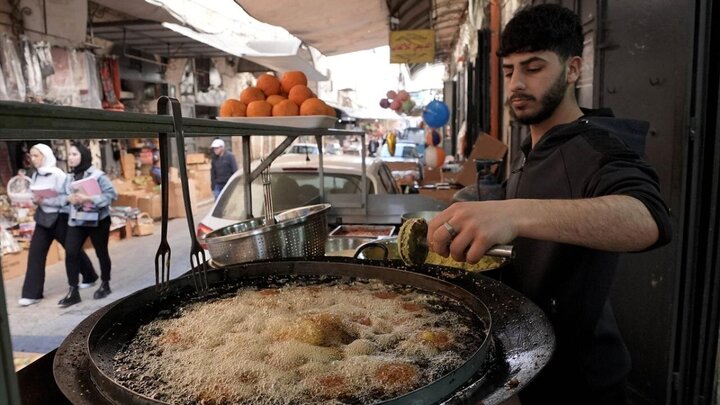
[48, 184]
[89, 217]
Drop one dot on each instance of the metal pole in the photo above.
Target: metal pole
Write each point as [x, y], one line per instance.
[246, 175]
[321, 187]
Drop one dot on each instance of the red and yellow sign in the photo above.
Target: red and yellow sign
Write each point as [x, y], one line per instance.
[412, 46]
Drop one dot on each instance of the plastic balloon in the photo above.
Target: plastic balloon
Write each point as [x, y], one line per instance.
[384, 103]
[391, 140]
[395, 105]
[407, 106]
[391, 94]
[403, 95]
[436, 114]
[433, 138]
[434, 156]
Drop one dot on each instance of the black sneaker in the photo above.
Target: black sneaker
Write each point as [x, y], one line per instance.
[72, 298]
[103, 291]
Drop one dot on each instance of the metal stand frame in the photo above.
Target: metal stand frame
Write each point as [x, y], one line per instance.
[22, 121]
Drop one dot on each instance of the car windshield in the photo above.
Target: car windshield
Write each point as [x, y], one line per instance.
[403, 150]
[289, 190]
[302, 149]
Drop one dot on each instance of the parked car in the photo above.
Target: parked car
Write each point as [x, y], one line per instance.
[303, 148]
[406, 164]
[404, 151]
[415, 135]
[295, 182]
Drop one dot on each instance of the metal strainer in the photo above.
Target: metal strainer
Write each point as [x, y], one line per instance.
[298, 232]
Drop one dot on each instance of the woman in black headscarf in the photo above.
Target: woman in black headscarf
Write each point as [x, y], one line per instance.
[89, 194]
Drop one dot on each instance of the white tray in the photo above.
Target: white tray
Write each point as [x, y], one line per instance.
[300, 121]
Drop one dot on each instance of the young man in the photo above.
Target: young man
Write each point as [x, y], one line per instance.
[580, 195]
[222, 167]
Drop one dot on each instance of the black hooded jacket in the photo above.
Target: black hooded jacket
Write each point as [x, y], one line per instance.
[597, 155]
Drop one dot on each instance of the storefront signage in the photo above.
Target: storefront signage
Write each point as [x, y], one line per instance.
[412, 46]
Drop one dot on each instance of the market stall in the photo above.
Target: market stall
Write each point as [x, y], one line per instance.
[518, 352]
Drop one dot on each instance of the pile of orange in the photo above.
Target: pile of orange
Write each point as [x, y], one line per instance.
[273, 97]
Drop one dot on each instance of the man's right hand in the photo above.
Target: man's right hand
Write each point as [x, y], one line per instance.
[478, 225]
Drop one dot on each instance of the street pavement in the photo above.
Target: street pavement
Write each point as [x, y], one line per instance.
[42, 327]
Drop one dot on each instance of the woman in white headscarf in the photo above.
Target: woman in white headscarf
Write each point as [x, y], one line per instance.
[50, 224]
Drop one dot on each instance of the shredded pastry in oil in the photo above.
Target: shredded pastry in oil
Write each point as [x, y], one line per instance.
[360, 342]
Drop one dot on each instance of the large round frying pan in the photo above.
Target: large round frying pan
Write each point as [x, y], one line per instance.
[517, 348]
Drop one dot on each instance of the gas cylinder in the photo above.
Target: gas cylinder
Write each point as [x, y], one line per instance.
[488, 187]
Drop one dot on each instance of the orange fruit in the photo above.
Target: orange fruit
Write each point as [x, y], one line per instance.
[299, 93]
[291, 79]
[313, 106]
[330, 111]
[275, 98]
[285, 108]
[259, 108]
[251, 94]
[232, 108]
[269, 84]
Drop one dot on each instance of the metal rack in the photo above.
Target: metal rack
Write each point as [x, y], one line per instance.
[22, 121]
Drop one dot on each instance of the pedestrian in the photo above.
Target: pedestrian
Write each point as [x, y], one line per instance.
[89, 217]
[580, 196]
[50, 224]
[373, 146]
[222, 167]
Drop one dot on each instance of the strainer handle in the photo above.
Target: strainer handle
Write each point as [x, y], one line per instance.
[371, 244]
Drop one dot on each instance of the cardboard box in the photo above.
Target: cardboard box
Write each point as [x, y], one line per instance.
[176, 206]
[14, 264]
[486, 147]
[128, 198]
[127, 163]
[194, 158]
[122, 186]
[151, 204]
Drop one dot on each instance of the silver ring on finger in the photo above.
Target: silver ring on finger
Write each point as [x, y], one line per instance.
[453, 233]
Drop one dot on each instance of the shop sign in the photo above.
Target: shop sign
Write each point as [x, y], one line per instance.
[412, 46]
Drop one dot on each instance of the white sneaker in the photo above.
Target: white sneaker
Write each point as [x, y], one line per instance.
[86, 285]
[24, 302]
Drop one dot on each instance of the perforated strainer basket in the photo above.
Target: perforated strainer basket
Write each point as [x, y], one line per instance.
[298, 232]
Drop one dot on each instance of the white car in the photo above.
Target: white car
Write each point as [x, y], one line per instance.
[303, 148]
[295, 183]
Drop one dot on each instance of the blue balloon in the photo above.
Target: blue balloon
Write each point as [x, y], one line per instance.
[436, 114]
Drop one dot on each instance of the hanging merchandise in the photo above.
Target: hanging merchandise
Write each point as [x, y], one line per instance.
[3, 89]
[436, 114]
[398, 101]
[45, 58]
[434, 156]
[433, 137]
[84, 77]
[14, 81]
[94, 99]
[391, 140]
[110, 93]
[61, 87]
[31, 69]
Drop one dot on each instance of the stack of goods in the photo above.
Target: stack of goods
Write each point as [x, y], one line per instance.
[273, 97]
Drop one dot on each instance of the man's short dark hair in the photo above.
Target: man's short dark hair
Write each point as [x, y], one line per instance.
[545, 27]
